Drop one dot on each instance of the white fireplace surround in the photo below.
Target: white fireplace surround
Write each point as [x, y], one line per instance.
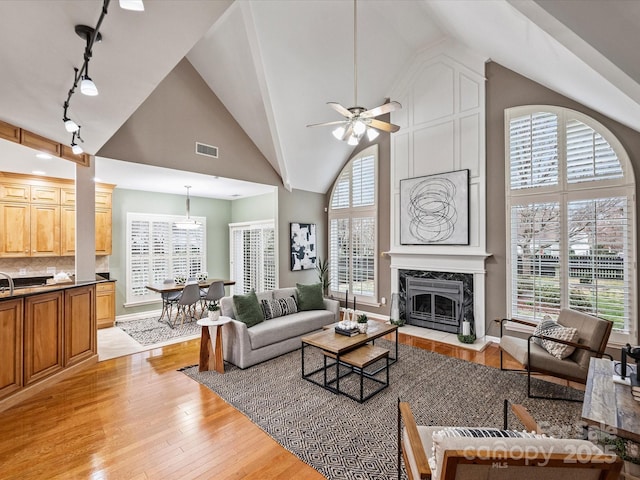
[461, 260]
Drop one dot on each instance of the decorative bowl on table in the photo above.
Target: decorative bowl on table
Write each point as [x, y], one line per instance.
[180, 280]
[202, 276]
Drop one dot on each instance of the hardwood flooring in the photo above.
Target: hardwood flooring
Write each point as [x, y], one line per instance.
[138, 418]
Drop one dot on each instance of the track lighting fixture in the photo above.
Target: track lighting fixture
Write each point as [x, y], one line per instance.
[81, 76]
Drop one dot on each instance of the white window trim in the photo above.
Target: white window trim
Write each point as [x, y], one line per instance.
[359, 212]
[566, 192]
[133, 216]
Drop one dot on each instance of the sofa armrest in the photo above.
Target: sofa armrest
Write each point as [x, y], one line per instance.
[236, 342]
[334, 307]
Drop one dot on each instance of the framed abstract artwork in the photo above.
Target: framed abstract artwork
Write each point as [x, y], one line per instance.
[434, 210]
[303, 246]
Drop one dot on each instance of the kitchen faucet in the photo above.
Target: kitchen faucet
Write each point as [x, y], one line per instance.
[10, 280]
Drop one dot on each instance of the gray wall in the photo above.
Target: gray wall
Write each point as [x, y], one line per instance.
[506, 89]
[217, 212]
[260, 207]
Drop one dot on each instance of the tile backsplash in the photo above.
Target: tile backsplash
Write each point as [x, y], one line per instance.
[46, 266]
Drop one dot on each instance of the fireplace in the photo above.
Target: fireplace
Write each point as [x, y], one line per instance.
[435, 304]
[436, 300]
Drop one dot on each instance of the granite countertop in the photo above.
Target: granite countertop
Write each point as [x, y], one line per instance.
[21, 290]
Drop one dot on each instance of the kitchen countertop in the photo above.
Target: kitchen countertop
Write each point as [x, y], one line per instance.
[26, 291]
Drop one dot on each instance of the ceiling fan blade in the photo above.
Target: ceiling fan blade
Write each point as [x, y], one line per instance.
[337, 122]
[386, 108]
[384, 126]
[340, 109]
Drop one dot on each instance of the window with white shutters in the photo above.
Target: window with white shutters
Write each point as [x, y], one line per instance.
[571, 227]
[253, 256]
[157, 250]
[353, 228]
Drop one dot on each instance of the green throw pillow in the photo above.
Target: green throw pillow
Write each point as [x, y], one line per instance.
[310, 297]
[246, 309]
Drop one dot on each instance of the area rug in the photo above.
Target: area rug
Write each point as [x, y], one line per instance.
[344, 439]
[149, 331]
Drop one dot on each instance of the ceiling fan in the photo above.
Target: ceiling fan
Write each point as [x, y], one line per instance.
[359, 120]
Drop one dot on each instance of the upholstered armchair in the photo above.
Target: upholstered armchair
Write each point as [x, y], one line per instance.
[429, 452]
[561, 349]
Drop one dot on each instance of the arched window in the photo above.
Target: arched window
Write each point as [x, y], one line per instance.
[571, 217]
[353, 230]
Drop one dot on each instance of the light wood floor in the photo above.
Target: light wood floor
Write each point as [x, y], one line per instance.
[137, 417]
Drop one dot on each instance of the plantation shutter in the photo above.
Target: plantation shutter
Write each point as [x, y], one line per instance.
[599, 266]
[589, 156]
[363, 182]
[341, 192]
[158, 250]
[340, 254]
[363, 255]
[253, 259]
[533, 147]
[535, 275]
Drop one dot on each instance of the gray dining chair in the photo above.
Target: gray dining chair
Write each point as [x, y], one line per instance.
[187, 303]
[169, 299]
[212, 295]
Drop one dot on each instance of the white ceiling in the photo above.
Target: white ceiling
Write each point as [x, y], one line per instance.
[275, 63]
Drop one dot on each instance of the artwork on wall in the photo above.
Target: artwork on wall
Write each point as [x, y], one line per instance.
[303, 246]
[434, 210]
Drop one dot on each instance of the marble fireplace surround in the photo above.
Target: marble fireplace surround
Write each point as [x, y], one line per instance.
[445, 265]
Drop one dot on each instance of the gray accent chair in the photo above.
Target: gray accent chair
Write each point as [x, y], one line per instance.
[593, 335]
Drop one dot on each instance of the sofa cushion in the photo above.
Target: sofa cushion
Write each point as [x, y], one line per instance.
[247, 309]
[551, 329]
[310, 296]
[279, 307]
[285, 292]
[289, 326]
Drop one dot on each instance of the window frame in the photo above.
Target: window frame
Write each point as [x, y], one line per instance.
[350, 213]
[565, 192]
[151, 297]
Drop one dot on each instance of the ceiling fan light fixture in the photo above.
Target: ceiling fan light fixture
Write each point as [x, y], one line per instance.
[372, 134]
[359, 127]
[338, 132]
[353, 140]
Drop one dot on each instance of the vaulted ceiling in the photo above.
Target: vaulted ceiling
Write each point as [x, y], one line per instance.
[275, 63]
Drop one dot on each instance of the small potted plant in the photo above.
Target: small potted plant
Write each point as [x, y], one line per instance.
[362, 323]
[213, 311]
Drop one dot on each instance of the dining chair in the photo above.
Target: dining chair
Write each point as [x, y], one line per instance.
[212, 295]
[169, 299]
[188, 301]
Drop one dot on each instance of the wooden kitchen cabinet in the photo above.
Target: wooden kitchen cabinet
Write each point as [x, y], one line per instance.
[43, 336]
[79, 324]
[10, 346]
[47, 228]
[15, 238]
[105, 304]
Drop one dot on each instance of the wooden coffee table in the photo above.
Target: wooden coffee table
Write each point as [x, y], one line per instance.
[609, 406]
[334, 345]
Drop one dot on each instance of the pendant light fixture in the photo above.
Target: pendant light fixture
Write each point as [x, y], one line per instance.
[188, 223]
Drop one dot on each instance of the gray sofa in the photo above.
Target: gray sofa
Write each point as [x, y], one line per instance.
[245, 347]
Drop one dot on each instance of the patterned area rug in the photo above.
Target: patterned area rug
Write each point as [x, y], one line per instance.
[343, 439]
[149, 331]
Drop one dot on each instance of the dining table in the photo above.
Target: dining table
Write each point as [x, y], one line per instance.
[176, 287]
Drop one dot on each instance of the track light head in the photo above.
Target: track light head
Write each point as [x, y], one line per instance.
[69, 125]
[76, 149]
[87, 87]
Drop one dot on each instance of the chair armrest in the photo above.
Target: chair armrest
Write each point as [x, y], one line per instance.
[525, 418]
[415, 443]
[514, 320]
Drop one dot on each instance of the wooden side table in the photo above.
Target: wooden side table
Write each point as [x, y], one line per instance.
[211, 351]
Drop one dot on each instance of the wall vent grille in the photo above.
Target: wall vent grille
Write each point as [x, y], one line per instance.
[206, 150]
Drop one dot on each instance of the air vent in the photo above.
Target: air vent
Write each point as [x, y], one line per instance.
[206, 150]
